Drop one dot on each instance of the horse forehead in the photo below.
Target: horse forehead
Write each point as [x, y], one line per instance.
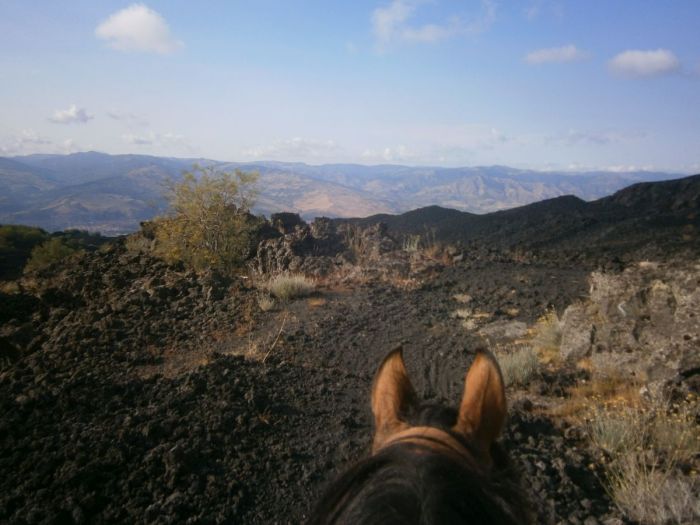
[434, 439]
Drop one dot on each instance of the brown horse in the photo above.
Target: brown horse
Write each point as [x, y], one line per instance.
[431, 464]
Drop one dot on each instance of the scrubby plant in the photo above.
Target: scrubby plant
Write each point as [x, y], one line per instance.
[209, 225]
[644, 446]
[613, 430]
[546, 336]
[16, 245]
[289, 286]
[139, 243]
[650, 494]
[47, 253]
[519, 366]
[265, 302]
[411, 243]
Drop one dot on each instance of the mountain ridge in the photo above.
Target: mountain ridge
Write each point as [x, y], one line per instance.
[57, 192]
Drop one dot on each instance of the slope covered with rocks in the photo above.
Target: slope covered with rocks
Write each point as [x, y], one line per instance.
[132, 390]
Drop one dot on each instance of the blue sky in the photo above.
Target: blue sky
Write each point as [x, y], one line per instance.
[539, 84]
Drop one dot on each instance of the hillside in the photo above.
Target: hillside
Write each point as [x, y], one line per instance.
[642, 215]
[113, 193]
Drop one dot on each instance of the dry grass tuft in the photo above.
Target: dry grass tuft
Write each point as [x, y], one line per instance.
[673, 429]
[546, 337]
[614, 430]
[605, 390]
[644, 446]
[650, 494]
[462, 298]
[315, 302]
[519, 366]
[265, 302]
[290, 286]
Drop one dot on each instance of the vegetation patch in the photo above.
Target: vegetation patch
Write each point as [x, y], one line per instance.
[210, 225]
[519, 365]
[648, 452]
[290, 286]
[546, 337]
[48, 253]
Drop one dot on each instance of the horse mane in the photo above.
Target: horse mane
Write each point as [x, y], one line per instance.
[408, 483]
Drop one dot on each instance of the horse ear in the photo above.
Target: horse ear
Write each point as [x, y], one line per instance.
[392, 394]
[482, 412]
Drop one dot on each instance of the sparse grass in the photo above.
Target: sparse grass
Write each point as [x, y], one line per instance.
[546, 337]
[644, 445]
[650, 494]
[614, 430]
[411, 243]
[604, 390]
[462, 313]
[470, 318]
[265, 302]
[673, 430]
[518, 366]
[462, 298]
[290, 286]
[137, 243]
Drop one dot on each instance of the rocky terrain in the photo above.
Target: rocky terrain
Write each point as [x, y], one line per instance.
[132, 390]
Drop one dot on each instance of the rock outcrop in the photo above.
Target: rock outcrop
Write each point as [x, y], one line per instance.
[644, 321]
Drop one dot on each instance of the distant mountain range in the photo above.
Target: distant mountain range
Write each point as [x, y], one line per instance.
[642, 218]
[113, 193]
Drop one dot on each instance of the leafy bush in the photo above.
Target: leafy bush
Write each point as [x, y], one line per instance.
[16, 245]
[290, 286]
[47, 253]
[210, 225]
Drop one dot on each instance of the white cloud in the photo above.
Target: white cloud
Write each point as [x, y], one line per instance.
[130, 119]
[398, 153]
[29, 141]
[72, 115]
[557, 55]
[295, 148]
[574, 137]
[138, 28]
[390, 24]
[637, 63]
[541, 7]
[168, 141]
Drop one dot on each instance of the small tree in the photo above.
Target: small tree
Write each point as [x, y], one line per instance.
[209, 224]
[47, 253]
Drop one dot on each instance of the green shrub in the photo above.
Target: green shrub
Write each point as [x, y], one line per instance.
[209, 225]
[47, 253]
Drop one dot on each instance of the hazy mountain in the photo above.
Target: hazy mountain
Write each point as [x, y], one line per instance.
[113, 193]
